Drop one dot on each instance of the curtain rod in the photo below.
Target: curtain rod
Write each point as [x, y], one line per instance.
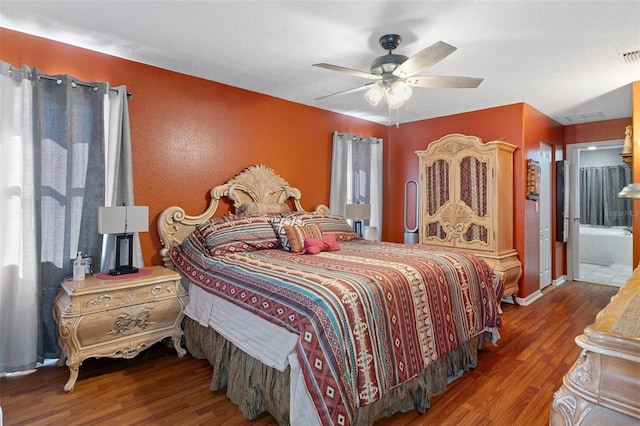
[370, 139]
[74, 83]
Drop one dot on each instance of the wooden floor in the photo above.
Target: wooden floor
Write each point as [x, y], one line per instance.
[513, 383]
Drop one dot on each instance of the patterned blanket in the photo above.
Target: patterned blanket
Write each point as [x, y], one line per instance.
[369, 317]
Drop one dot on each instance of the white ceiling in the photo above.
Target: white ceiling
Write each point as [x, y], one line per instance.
[564, 58]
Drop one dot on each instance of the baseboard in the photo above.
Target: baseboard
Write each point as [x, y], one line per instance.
[560, 280]
[530, 298]
[535, 295]
[524, 301]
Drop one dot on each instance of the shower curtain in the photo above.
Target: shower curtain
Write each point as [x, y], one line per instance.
[599, 202]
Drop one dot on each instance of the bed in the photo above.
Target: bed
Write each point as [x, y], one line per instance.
[300, 317]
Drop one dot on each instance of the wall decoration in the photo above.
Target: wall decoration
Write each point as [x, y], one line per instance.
[627, 149]
[533, 180]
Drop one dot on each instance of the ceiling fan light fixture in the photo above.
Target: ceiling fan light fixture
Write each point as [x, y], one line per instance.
[394, 103]
[400, 91]
[397, 93]
[375, 94]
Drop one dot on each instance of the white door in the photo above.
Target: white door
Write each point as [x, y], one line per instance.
[545, 214]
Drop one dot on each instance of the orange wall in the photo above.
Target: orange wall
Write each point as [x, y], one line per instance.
[539, 128]
[190, 134]
[606, 130]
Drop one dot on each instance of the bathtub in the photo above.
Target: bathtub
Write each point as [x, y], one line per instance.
[606, 245]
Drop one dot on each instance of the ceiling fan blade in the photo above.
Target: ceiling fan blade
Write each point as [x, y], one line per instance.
[357, 89]
[424, 59]
[444, 82]
[350, 71]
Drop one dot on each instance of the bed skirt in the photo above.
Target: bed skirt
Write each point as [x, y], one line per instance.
[256, 388]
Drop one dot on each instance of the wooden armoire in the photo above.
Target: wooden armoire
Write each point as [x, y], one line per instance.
[466, 201]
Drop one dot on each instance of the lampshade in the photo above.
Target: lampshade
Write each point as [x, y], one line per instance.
[358, 211]
[395, 93]
[123, 219]
[375, 94]
[630, 191]
[394, 103]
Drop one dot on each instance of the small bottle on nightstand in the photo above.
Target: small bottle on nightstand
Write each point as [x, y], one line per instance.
[87, 261]
[78, 268]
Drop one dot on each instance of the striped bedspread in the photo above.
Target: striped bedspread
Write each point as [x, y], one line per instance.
[369, 317]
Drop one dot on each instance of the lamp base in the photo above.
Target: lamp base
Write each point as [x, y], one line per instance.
[123, 270]
[357, 227]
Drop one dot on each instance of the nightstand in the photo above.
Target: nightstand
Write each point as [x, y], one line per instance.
[118, 318]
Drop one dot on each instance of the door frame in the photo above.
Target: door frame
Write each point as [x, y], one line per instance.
[546, 246]
[573, 243]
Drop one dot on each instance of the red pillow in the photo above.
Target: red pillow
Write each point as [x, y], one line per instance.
[316, 245]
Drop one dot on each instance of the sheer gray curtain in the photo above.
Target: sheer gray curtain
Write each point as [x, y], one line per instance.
[52, 182]
[599, 202]
[356, 175]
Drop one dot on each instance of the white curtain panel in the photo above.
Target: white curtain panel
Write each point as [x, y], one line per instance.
[356, 175]
[19, 249]
[118, 169]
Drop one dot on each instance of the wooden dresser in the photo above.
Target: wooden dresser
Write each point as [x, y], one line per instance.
[118, 318]
[466, 201]
[603, 386]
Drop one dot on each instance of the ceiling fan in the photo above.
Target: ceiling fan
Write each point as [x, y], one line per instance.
[394, 74]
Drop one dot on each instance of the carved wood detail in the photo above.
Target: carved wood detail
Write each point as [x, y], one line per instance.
[257, 183]
[117, 318]
[568, 409]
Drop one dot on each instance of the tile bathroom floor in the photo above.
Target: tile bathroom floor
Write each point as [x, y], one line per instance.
[614, 275]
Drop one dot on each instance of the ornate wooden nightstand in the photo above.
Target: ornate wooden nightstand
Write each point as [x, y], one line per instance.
[118, 318]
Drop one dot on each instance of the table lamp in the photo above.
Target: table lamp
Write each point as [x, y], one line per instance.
[124, 221]
[358, 213]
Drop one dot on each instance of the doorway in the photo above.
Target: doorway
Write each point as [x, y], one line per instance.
[584, 262]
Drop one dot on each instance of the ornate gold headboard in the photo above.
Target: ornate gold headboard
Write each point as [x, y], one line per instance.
[255, 184]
